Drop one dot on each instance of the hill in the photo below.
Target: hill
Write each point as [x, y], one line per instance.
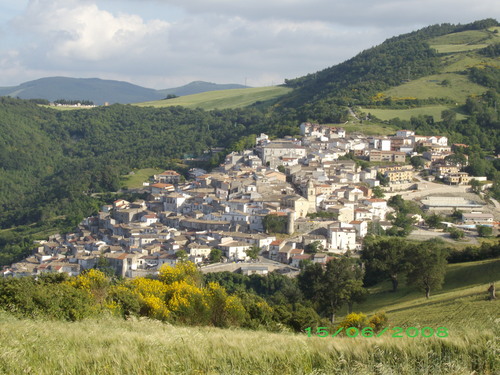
[197, 87]
[223, 99]
[428, 66]
[96, 90]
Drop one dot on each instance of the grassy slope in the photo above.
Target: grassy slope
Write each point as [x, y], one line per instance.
[406, 114]
[458, 55]
[461, 303]
[224, 99]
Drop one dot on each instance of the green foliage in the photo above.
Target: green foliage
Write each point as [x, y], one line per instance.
[428, 267]
[455, 233]
[275, 223]
[252, 252]
[313, 247]
[474, 253]
[385, 258]
[215, 255]
[330, 288]
[484, 230]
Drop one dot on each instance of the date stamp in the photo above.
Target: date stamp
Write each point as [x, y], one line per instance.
[369, 332]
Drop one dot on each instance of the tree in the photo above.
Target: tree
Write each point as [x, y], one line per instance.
[378, 192]
[455, 233]
[484, 230]
[434, 221]
[428, 266]
[417, 162]
[475, 186]
[275, 223]
[313, 247]
[385, 257]
[253, 252]
[331, 287]
[181, 255]
[215, 255]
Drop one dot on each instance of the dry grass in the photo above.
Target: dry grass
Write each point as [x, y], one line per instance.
[111, 346]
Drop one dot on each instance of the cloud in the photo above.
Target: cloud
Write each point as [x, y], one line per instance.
[165, 43]
[70, 30]
[348, 12]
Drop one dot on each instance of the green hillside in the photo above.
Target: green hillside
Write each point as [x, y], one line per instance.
[459, 305]
[223, 99]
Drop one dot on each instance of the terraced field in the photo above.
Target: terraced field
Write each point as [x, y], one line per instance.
[223, 99]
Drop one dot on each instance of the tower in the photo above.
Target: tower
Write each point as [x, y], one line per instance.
[311, 196]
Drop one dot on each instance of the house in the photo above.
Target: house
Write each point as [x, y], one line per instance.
[161, 187]
[477, 218]
[342, 239]
[235, 250]
[168, 177]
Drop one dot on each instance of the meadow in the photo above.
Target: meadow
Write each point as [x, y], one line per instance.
[223, 99]
[406, 114]
[114, 347]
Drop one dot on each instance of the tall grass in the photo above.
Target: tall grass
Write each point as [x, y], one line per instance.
[112, 346]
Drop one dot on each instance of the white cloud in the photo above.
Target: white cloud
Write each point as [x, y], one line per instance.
[214, 40]
[73, 30]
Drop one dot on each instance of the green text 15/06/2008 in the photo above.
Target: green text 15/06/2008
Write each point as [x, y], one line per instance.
[369, 332]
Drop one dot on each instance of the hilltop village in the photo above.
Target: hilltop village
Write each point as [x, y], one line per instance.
[281, 199]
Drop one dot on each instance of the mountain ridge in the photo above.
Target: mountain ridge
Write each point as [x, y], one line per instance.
[101, 91]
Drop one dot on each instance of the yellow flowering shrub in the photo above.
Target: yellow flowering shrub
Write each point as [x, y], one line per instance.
[183, 271]
[93, 281]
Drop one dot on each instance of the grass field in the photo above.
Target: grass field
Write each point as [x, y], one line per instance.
[460, 305]
[465, 41]
[134, 181]
[369, 128]
[459, 87]
[111, 346]
[223, 99]
[406, 114]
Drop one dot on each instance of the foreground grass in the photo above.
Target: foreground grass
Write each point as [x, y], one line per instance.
[222, 99]
[112, 346]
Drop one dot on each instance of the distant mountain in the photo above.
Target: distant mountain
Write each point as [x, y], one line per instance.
[101, 91]
[198, 87]
[97, 90]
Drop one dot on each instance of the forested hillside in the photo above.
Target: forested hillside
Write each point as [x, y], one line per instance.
[53, 161]
[322, 95]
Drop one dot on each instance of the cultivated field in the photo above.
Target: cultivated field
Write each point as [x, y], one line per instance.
[406, 114]
[223, 99]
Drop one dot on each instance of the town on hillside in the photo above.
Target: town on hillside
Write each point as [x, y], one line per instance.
[274, 207]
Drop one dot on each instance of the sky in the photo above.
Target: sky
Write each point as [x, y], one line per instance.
[168, 43]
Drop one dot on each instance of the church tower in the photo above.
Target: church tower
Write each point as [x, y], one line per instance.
[311, 196]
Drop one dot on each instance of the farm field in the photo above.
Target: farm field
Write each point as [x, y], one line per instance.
[457, 87]
[223, 99]
[406, 114]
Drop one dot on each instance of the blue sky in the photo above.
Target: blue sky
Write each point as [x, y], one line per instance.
[168, 43]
